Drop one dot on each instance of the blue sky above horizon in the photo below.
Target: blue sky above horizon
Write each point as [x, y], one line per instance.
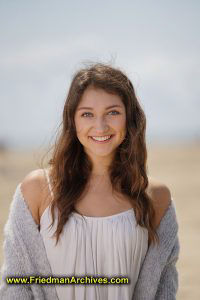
[44, 42]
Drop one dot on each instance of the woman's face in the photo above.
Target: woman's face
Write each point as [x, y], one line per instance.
[94, 117]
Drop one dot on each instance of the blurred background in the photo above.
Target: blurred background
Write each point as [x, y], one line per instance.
[156, 43]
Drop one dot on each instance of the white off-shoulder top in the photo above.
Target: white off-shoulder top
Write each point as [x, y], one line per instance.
[111, 246]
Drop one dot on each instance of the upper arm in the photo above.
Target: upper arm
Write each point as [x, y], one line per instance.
[31, 188]
[161, 199]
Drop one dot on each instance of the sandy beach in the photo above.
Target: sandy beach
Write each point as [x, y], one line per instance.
[178, 166]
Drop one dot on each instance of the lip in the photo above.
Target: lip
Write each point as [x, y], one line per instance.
[102, 142]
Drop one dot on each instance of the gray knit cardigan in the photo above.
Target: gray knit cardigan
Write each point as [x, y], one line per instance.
[25, 255]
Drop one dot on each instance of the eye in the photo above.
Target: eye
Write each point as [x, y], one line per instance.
[84, 114]
[115, 111]
[109, 112]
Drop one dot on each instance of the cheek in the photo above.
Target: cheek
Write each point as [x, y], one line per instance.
[81, 128]
[120, 124]
[122, 129]
[79, 125]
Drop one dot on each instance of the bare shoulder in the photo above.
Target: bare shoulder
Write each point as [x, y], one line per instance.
[32, 190]
[161, 198]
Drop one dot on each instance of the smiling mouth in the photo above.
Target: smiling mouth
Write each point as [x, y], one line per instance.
[102, 141]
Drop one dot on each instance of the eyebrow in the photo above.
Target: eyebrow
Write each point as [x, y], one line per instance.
[90, 108]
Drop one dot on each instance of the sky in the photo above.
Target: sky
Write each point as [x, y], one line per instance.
[43, 43]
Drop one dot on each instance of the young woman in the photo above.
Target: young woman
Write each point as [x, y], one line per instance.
[94, 211]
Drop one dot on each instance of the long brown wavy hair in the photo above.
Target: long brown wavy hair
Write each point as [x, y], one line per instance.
[70, 167]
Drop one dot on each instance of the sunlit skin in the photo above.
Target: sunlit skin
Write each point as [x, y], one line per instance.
[100, 121]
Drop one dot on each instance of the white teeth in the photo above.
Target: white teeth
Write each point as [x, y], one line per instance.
[102, 138]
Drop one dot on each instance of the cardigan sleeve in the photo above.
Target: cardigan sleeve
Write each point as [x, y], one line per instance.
[14, 265]
[24, 254]
[168, 285]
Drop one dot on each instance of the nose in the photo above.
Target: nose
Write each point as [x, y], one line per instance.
[101, 125]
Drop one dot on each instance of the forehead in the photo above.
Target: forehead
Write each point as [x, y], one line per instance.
[96, 97]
